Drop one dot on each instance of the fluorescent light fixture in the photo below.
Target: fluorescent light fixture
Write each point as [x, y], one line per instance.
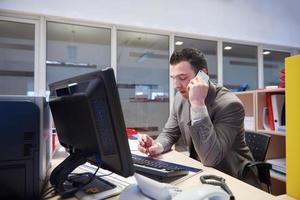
[49, 62]
[228, 48]
[178, 43]
[72, 84]
[70, 64]
[266, 52]
[30, 93]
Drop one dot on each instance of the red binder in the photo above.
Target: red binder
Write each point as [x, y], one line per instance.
[270, 111]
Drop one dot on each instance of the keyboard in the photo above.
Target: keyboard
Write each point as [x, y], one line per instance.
[157, 168]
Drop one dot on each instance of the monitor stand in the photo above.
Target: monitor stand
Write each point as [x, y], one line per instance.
[98, 189]
[68, 184]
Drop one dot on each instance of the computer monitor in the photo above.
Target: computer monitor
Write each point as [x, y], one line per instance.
[87, 114]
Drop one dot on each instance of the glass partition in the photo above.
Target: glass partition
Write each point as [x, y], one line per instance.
[16, 58]
[240, 67]
[75, 49]
[209, 48]
[143, 80]
[273, 63]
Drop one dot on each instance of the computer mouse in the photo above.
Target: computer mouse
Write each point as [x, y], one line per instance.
[203, 192]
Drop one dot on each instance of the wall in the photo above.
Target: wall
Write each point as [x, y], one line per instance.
[262, 21]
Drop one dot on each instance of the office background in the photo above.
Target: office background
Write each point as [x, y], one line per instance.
[45, 41]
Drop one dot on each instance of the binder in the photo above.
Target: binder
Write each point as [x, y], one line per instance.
[266, 123]
[270, 111]
[277, 105]
[283, 115]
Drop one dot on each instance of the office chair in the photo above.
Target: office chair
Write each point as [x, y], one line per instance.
[258, 144]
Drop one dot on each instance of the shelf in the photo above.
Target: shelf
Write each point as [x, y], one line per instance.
[271, 132]
[251, 130]
[134, 85]
[244, 92]
[254, 103]
[16, 73]
[271, 90]
[278, 176]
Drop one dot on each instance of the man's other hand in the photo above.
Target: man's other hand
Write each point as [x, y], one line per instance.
[149, 146]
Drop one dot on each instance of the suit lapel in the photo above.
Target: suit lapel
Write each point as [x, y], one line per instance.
[185, 120]
[186, 116]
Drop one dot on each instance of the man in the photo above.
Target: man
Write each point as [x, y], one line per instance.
[210, 118]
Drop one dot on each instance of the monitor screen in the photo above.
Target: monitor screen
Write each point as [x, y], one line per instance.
[88, 117]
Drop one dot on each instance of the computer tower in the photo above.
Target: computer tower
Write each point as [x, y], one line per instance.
[24, 146]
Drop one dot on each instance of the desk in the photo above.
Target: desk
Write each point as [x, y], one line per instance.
[240, 189]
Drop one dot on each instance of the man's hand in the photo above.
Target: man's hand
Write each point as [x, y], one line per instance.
[198, 89]
[148, 146]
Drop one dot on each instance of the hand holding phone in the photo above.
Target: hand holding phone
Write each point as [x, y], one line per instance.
[197, 89]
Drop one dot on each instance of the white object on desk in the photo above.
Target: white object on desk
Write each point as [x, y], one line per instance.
[155, 189]
[115, 178]
[148, 189]
[203, 192]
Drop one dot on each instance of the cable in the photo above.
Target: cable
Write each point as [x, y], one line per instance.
[71, 192]
[217, 181]
[51, 189]
[46, 190]
[103, 175]
[44, 196]
[49, 197]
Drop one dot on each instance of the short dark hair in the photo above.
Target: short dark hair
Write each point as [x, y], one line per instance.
[194, 56]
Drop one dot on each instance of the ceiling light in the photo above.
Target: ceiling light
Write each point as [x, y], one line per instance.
[179, 43]
[266, 52]
[228, 48]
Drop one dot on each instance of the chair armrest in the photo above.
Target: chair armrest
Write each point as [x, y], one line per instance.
[260, 165]
[263, 170]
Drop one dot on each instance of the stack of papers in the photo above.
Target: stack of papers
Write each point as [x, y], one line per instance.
[278, 165]
[249, 123]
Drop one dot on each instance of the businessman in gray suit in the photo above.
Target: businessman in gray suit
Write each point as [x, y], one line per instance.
[210, 119]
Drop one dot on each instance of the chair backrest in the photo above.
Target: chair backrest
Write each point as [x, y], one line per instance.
[258, 144]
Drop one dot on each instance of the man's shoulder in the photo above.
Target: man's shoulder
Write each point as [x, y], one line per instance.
[226, 96]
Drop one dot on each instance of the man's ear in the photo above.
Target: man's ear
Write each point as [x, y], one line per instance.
[205, 70]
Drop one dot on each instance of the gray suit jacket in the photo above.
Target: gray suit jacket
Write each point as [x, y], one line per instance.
[218, 138]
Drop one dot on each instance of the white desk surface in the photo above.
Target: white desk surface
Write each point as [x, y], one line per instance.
[240, 189]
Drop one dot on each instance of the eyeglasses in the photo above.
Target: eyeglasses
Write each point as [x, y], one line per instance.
[218, 181]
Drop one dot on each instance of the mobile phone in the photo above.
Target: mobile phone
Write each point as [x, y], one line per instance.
[203, 75]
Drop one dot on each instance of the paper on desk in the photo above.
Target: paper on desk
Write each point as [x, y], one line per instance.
[133, 144]
[113, 177]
